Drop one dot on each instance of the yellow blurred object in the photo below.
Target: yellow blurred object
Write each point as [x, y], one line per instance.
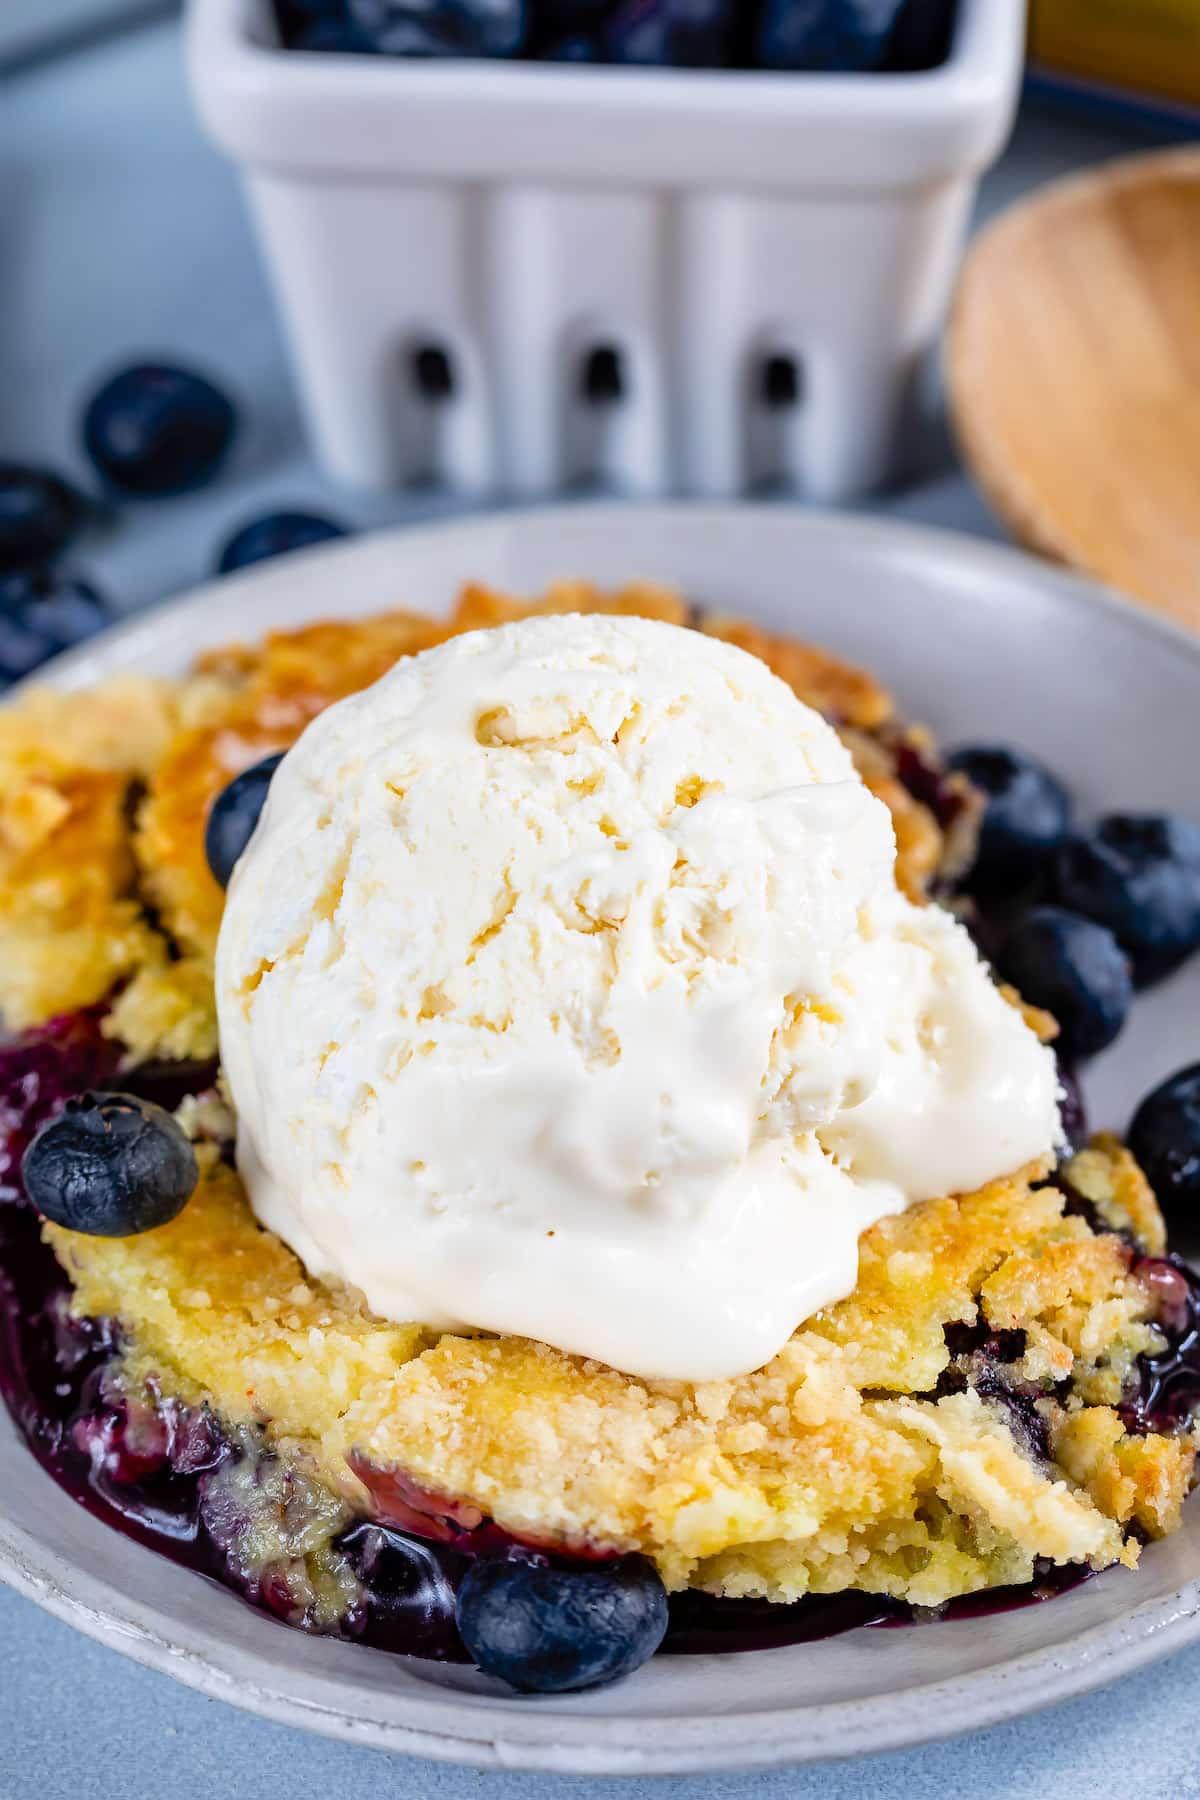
[1146, 48]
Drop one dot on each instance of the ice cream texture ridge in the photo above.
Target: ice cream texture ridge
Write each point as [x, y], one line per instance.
[566, 991]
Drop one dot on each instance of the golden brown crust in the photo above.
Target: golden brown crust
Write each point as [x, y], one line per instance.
[845, 694]
[844, 1463]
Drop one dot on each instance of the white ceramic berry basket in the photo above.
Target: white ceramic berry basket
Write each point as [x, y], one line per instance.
[759, 261]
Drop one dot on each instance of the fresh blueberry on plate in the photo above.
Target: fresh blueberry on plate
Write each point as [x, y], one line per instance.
[43, 612]
[40, 514]
[1028, 814]
[276, 534]
[1165, 1138]
[1139, 874]
[830, 35]
[548, 1630]
[1076, 969]
[110, 1165]
[440, 27]
[235, 813]
[153, 430]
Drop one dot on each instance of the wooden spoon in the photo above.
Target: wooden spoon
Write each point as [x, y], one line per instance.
[1073, 364]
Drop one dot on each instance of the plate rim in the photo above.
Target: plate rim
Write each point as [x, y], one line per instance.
[531, 1735]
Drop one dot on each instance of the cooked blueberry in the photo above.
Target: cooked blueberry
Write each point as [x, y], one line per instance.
[549, 1630]
[1028, 814]
[845, 35]
[440, 27]
[1139, 874]
[1075, 968]
[234, 815]
[1072, 1107]
[40, 514]
[1165, 1138]
[153, 430]
[110, 1165]
[41, 613]
[276, 534]
[672, 33]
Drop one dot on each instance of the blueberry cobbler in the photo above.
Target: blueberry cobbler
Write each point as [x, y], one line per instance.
[547, 1135]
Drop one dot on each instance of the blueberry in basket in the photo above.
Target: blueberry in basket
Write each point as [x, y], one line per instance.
[569, 30]
[430, 29]
[43, 612]
[332, 37]
[848, 36]
[152, 430]
[110, 1165]
[276, 534]
[40, 516]
[831, 35]
[677, 33]
[1138, 874]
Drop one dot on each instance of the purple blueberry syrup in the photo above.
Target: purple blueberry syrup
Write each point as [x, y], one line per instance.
[172, 1479]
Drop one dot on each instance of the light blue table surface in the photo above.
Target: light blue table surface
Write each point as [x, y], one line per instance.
[121, 233]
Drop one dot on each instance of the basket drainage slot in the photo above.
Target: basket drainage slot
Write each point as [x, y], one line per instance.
[781, 384]
[433, 373]
[602, 379]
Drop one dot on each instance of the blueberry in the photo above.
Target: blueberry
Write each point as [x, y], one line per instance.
[153, 430]
[1072, 1107]
[319, 25]
[831, 35]
[1028, 814]
[1139, 874]
[922, 36]
[549, 1630]
[1165, 1138]
[440, 27]
[235, 813]
[1075, 968]
[40, 514]
[332, 37]
[41, 613]
[110, 1165]
[672, 33]
[575, 47]
[569, 30]
[275, 534]
[299, 16]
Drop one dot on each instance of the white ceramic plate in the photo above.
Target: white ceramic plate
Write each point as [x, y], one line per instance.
[983, 643]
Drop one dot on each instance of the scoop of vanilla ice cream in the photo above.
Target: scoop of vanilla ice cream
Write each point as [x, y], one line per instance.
[565, 990]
